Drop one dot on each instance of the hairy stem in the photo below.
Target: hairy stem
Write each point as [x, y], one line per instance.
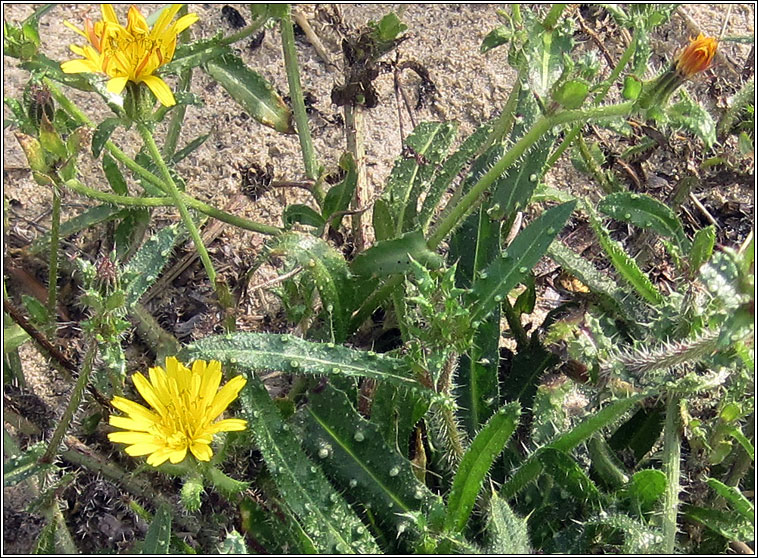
[672, 453]
[52, 277]
[73, 404]
[296, 96]
[147, 137]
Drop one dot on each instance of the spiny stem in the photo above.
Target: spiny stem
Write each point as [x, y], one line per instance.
[296, 96]
[672, 451]
[147, 137]
[52, 277]
[73, 404]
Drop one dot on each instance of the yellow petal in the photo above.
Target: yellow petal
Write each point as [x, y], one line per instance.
[177, 456]
[109, 14]
[116, 85]
[226, 395]
[136, 410]
[211, 380]
[128, 423]
[228, 425]
[76, 29]
[136, 22]
[160, 89]
[78, 67]
[142, 449]
[144, 387]
[133, 438]
[203, 452]
[159, 457]
[183, 22]
[164, 19]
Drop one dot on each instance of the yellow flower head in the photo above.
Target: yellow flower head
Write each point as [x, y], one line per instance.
[696, 57]
[131, 53]
[185, 405]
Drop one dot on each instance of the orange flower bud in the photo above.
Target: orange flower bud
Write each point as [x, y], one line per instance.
[696, 57]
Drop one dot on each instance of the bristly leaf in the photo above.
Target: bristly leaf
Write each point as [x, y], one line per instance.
[19, 467]
[691, 116]
[623, 263]
[725, 523]
[389, 257]
[475, 464]
[257, 96]
[644, 211]
[292, 355]
[158, 534]
[339, 196]
[568, 475]
[321, 510]
[736, 499]
[353, 452]
[702, 248]
[507, 532]
[146, 265]
[88, 218]
[518, 259]
[102, 134]
[329, 271]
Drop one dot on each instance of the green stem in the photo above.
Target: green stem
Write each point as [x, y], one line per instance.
[672, 451]
[52, 277]
[592, 166]
[296, 95]
[473, 197]
[147, 137]
[73, 404]
[505, 121]
[514, 322]
[165, 201]
[177, 117]
[245, 32]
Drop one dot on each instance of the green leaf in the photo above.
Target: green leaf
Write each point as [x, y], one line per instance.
[329, 271]
[607, 466]
[389, 257]
[275, 533]
[506, 532]
[85, 220]
[527, 368]
[476, 462]
[568, 475]
[382, 221]
[257, 96]
[411, 176]
[292, 355]
[303, 214]
[24, 465]
[736, 499]
[45, 544]
[498, 36]
[395, 411]
[146, 265]
[623, 263]
[518, 259]
[737, 434]
[13, 337]
[158, 535]
[189, 148]
[643, 211]
[722, 522]
[102, 134]
[234, 543]
[322, 512]
[451, 168]
[691, 116]
[702, 248]
[354, 454]
[532, 467]
[197, 53]
[572, 93]
[339, 196]
[113, 175]
[647, 487]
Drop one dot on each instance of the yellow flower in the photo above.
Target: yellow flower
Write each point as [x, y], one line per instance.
[131, 53]
[185, 403]
[696, 57]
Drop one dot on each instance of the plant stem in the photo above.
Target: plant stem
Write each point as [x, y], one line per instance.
[177, 117]
[671, 467]
[73, 404]
[296, 96]
[245, 32]
[147, 137]
[473, 197]
[52, 277]
[165, 201]
[357, 148]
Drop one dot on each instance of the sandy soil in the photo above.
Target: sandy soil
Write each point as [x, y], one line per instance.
[444, 38]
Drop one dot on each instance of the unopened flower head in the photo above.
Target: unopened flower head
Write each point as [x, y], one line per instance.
[131, 53]
[185, 403]
[696, 57]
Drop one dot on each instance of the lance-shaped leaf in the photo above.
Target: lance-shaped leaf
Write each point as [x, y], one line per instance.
[328, 269]
[146, 265]
[736, 499]
[292, 355]
[303, 214]
[411, 175]
[88, 218]
[532, 467]
[19, 467]
[353, 452]
[389, 257]
[158, 534]
[702, 248]
[102, 134]
[518, 259]
[506, 532]
[623, 263]
[251, 91]
[568, 475]
[339, 196]
[643, 211]
[321, 510]
[476, 462]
